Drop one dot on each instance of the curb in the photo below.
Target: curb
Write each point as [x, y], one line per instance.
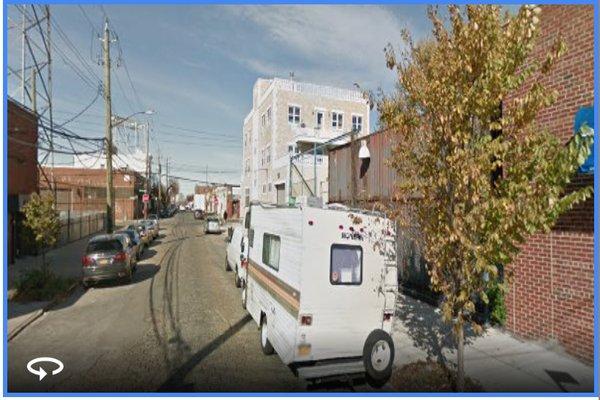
[12, 334]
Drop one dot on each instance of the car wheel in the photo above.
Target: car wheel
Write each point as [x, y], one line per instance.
[86, 285]
[227, 267]
[378, 357]
[265, 345]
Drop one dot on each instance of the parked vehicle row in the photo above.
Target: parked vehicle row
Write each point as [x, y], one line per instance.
[321, 285]
[115, 256]
[169, 211]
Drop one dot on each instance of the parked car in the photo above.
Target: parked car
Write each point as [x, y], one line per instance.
[213, 225]
[136, 240]
[198, 214]
[152, 227]
[108, 257]
[236, 254]
[143, 232]
[154, 218]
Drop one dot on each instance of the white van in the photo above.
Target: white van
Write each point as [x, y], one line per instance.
[236, 254]
[321, 285]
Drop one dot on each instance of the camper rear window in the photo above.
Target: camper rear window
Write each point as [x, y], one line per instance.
[270, 250]
[346, 265]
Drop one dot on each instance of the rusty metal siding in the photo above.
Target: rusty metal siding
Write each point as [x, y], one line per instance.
[374, 183]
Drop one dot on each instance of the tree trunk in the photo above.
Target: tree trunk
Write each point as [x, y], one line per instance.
[460, 374]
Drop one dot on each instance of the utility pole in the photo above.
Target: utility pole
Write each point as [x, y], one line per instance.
[159, 187]
[147, 169]
[108, 130]
[23, 39]
[167, 183]
[33, 90]
[50, 115]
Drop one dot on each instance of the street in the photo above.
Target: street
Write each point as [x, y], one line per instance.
[178, 327]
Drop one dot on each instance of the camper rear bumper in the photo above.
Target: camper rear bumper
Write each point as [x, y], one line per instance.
[329, 368]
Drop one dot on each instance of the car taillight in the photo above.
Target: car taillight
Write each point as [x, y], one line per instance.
[121, 256]
[86, 261]
[244, 263]
[306, 320]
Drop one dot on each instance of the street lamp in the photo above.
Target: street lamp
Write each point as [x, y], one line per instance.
[116, 120]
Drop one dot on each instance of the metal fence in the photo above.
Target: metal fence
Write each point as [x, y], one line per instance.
[77, 225]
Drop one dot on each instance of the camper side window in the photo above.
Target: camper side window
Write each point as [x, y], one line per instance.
[270, 250]
[346, 265]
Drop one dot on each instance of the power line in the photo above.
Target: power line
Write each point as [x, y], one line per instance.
[202, 132]
[26, 143]
[96, 97]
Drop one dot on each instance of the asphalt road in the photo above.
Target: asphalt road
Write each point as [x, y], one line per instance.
[178, 327]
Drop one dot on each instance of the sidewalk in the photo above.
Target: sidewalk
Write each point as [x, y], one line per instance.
[65, 261]
[498, 360]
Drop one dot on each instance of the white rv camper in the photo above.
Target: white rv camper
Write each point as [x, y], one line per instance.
[321, 284]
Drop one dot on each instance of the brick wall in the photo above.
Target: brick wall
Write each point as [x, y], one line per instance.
[81, 189]
[552, 295]
[22, 151]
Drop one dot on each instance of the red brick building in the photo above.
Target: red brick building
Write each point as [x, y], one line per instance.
[81, 190]
[22, 168]
[552, 293]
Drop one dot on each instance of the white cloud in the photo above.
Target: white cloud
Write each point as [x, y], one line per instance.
[341, 40]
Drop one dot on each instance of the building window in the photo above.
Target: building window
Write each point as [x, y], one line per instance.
[346, 265]
[269, 116]
[263, 120]
[320, 116]
[337, 120]
[264, 188]
[357, 123]
[294, 114]
[270, 250]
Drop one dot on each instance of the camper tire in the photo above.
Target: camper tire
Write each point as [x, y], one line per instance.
[378, 357]
[244, 296]
[265, 345]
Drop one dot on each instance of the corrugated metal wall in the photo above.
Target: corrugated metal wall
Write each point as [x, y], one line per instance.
[375, 180]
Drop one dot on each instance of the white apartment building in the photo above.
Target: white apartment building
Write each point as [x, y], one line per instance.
[289, 118]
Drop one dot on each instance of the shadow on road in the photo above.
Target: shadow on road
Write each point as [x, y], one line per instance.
[175, 381]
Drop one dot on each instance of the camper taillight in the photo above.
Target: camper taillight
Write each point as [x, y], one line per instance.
[306, 320]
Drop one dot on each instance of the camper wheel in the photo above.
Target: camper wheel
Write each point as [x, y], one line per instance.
[378, 357]
[244, 296]
[266, 346]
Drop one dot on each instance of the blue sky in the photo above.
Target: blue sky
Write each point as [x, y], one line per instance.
[196, 65]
